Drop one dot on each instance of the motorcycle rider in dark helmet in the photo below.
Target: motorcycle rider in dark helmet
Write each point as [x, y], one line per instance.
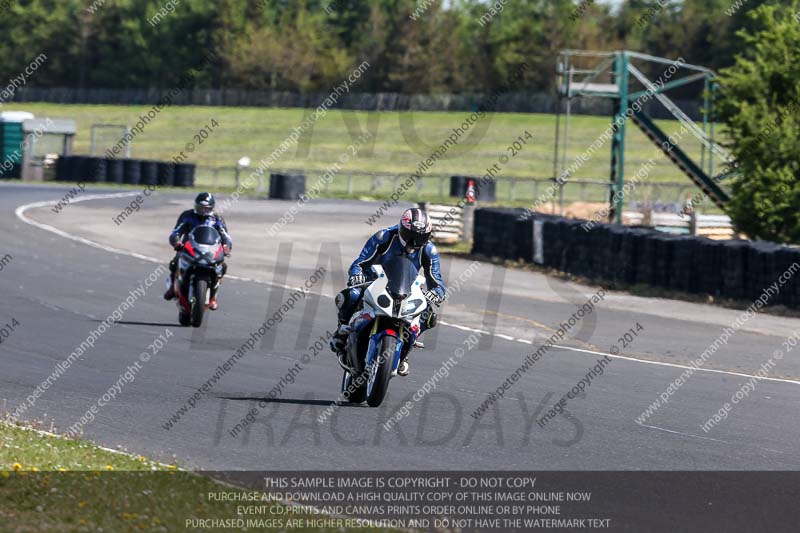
[202, 215]
[411, 237]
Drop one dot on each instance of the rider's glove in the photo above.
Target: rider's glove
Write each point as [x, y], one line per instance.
[226, 249]
[434, 298]
[178, 246]
[358, 279]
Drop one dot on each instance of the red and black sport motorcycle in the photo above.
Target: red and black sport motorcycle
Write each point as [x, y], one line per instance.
[200, 270]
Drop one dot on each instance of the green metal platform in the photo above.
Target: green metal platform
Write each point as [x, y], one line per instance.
[619, 76]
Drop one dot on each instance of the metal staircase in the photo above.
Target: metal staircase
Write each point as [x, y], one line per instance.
[703, 181]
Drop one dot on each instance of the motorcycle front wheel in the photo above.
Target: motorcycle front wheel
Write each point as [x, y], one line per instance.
[351, 392]
[199, 302]
[380, 371]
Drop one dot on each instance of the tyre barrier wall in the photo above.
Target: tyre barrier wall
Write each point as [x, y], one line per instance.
[628, 255]
[287, 186]
[81, 168]
[485, 190]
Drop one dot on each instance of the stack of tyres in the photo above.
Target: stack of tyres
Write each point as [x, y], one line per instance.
[287, 186]
[488, 240]
[731, 269]
[683, 255]
[554, 243]
[792, 287]
[582, 256]
[63, 169]
[149, 173]
[79, 168]
[166, 174]
[709, 266]
[524, 237]
[602, 250]
[572, 250]
[564, 240]
[786, 264]
[550, 240]
[659, 260]
[645, 249]
[275, 186]
[545, 223]
[702, 269]
[734, 258]
[484, 191]
[510, 227]
[115, 170]
[294, 187]
[481, 237]
[458, 186]
[184, 174]
[96, 170]
[627, 256]
[507, 226]
[760, 265]
[664, 268]
[600, 242]
[132, 172]
[495, 232]
[614, 269]
[501, 242]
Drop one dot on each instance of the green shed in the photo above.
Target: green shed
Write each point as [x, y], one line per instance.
[11, 139]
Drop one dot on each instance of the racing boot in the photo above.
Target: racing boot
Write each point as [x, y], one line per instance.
[338, 345]
[402, 367]
[212, 298]
[170, 294]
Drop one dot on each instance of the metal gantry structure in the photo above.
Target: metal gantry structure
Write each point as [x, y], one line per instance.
[613, 75]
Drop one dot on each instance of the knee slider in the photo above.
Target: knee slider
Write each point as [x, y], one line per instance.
[339, 300]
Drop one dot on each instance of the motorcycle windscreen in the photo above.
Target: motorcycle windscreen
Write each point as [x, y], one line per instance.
[205, 235]
[401, 273]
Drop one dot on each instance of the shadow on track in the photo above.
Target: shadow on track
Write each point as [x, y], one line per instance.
[134, 323]
[291, 401]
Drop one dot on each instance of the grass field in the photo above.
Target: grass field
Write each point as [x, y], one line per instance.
[49, 483]
[401, 141]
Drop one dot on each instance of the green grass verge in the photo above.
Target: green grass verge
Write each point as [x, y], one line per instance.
[50, 483]
[402, 140]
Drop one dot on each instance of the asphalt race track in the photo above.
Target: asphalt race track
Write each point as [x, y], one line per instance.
[59, 288]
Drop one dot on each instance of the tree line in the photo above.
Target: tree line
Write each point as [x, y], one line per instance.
[414, 46]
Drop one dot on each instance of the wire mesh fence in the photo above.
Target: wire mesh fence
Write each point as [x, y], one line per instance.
[539, 192]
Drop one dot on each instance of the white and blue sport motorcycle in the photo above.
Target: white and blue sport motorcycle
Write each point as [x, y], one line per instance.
[380, 331]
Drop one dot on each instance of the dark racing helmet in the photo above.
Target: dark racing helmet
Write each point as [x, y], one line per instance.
[414, 229]
[204, 204]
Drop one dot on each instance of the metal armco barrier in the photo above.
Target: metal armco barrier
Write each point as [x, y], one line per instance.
[735, 269]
